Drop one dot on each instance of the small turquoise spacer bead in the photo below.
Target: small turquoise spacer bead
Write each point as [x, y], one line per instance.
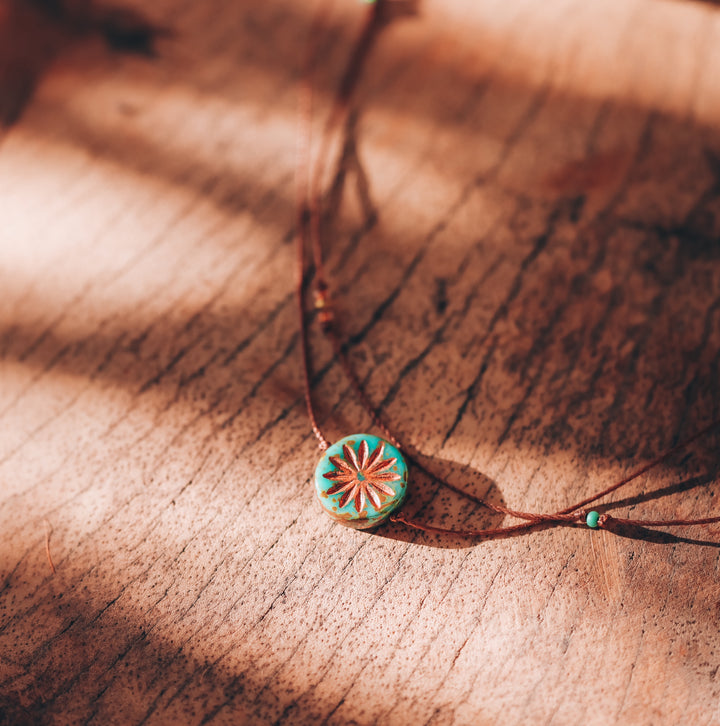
[592, 519]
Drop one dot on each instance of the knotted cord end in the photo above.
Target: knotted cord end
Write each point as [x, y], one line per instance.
[603, 519]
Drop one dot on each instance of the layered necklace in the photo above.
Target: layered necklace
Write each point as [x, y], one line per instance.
[361, 479]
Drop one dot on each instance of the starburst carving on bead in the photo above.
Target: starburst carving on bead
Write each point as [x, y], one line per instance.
[361, 476]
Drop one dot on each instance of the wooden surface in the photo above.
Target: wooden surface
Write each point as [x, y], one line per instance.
[536, 309]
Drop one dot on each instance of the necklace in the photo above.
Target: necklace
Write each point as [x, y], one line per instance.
[361, 480]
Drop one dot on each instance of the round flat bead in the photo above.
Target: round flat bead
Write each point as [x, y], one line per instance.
[592, 519]
[361, 480]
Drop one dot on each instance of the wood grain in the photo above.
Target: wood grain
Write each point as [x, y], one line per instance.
[535, 306]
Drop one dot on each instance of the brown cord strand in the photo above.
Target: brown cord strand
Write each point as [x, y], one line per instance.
[309, 220]
[302, 171]
[605, 518]
[476, 533]
[309, 185]
[579, 518]
[647, 467]
[323, 443]
[48, 530]
[348, 83]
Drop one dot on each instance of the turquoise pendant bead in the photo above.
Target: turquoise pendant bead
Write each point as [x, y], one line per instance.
[361, 480]
[592, 519]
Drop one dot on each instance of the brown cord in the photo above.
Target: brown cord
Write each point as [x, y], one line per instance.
[48, 530]
[309, 221]
[348, 83]
[606, 518]
[647, 467]
[302, 173]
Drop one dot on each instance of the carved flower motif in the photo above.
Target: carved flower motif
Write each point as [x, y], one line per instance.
[361, 476]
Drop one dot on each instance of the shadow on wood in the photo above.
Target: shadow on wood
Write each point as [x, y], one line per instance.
[546, 316]
[33, 33]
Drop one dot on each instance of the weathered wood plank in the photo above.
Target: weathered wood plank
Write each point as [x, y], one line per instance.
[546, 317]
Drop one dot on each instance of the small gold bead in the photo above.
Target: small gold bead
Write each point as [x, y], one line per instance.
[321, 299]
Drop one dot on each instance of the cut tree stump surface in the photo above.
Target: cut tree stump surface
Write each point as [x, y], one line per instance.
[535, 307]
